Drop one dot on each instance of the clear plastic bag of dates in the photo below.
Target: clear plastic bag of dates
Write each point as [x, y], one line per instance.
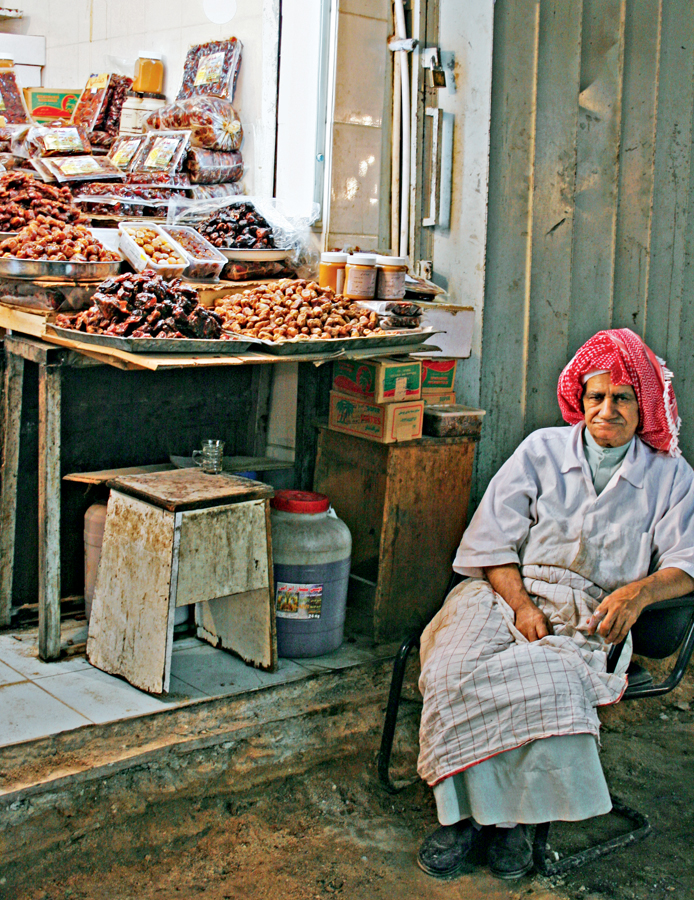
[161, 152]
[108, 120]
[212, 69]
[213, 122]
[91, 102]
[213, 166]
[40, 141]
[245, 270]
[82, 168]
[10, 134]
[124, 150]
[12, 105]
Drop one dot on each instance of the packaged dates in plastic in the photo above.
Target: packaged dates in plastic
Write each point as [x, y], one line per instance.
[82, 168]
[238, 226]
[91, 102]
[213, 167]
[12, 106]
[212, 68]
[161, 152]
[124, 150]
[212, 121]
[40, 141]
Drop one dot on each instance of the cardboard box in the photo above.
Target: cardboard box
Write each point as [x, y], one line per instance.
[438, 398]
[438, 374]
[384, 422]
[47, 106]
[379, 380]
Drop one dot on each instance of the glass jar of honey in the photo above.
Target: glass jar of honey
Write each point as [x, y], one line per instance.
[149, 75]
[360, 276]
[332, 271]
[391, 271]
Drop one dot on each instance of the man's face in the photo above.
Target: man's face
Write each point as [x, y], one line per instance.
[611, 411]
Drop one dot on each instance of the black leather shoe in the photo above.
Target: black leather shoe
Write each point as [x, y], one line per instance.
[511, 853]
[446, 852]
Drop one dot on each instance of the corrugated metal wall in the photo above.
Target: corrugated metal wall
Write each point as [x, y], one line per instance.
[590, 215]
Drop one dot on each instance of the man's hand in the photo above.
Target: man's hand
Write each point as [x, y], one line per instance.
[532, 622]
[620, 609]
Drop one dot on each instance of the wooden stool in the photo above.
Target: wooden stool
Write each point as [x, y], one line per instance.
[172, 539]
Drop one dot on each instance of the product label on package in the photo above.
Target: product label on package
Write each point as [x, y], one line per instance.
[361, 282]
[161, 153]
[2, 103]
[391, 285]
[64, 139]
[124, 154]
[82, 165]
[298, 601]
[97, 82]
[210, 69]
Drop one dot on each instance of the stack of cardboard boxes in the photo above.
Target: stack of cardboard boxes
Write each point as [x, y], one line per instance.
[383, 400]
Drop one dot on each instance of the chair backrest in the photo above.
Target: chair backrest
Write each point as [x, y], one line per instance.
[661, 628]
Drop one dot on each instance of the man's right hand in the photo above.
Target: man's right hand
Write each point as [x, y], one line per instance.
[532, 622]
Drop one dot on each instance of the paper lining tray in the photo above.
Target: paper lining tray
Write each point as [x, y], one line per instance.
[411, 337]
[189, 346]
[50, 269]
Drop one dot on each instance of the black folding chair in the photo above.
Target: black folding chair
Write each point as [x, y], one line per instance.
[660, 631]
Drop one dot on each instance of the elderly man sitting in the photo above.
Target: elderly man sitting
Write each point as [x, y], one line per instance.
[577, 533]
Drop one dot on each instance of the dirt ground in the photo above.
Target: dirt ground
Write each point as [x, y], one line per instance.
[334, 833]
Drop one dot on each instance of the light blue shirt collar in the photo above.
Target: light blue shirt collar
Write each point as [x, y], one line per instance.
[633, 465]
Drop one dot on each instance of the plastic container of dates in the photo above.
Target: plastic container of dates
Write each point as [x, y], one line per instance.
[204, 260]
[139, 258]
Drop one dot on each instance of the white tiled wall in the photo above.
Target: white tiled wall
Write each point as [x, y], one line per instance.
[362, 98]
[85, 36]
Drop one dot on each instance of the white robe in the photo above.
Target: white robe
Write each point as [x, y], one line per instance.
[486, 689]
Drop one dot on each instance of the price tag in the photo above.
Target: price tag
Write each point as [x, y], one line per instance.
[161, 153]
[210, 68]
[82, 165]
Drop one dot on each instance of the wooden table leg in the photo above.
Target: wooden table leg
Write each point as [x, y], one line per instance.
[12, 419]
[49, 511]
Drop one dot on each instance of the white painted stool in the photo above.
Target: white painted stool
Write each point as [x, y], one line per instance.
[175, 538]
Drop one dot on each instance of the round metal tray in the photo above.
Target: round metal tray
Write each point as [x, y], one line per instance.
[239, 255]
[8, 234]
[42, 269]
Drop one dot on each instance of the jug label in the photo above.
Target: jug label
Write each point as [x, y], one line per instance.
[298, 601]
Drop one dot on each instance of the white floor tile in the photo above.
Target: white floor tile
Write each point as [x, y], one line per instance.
[22, 655]
[214, 672]
[9, 675]
[101, 697]
[28, 712]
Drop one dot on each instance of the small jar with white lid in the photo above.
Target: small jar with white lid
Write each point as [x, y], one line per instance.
[332, 271]
[391, 271]
[360, 276]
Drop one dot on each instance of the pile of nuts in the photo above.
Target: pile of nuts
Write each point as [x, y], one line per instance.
[238, 226]
[48, 238]
[145, 306]
[156, 247]
[295, 310]
[22, 199]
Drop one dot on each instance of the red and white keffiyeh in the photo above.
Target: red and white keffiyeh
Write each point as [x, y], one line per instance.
[629, 361]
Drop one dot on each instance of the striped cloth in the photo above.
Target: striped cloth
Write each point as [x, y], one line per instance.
[487, 689]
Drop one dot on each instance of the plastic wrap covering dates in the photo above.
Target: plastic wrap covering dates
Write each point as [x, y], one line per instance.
[124, 150]
[295, 310]
[212, 68]
[11, 134]
[116, 200]
[161, 179]
[124, 191]
[47, 238]
[213, 167]
[203, 260]
[145, 305]
[82, 168]
[212, 121]
[13, 109]
[214, 191]
[91, 102]
[22, 199]
[247, 270]
[162, 152]
[108, 121]
[239, 226]
[111, 207]
[41, 141]
[29, 294]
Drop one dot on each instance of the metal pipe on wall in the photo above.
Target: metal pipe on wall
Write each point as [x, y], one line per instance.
[401, 32]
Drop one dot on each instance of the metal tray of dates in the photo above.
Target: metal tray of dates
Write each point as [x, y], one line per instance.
[189, 346]
[50, 269]
[409, 338]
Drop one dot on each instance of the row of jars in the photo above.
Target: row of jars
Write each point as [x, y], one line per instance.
[364, 276]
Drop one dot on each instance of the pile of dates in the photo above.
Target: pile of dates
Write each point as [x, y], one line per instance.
[294, 309]
[239, 227]
[48, 238]
[22, 199]
[145, 306]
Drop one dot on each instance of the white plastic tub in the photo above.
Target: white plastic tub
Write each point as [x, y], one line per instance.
[137, 257]
[204, 260]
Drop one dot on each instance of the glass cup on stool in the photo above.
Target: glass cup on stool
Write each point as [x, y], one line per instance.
[210, 457]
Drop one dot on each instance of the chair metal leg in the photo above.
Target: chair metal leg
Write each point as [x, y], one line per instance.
[641, 829]
[392, 715]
